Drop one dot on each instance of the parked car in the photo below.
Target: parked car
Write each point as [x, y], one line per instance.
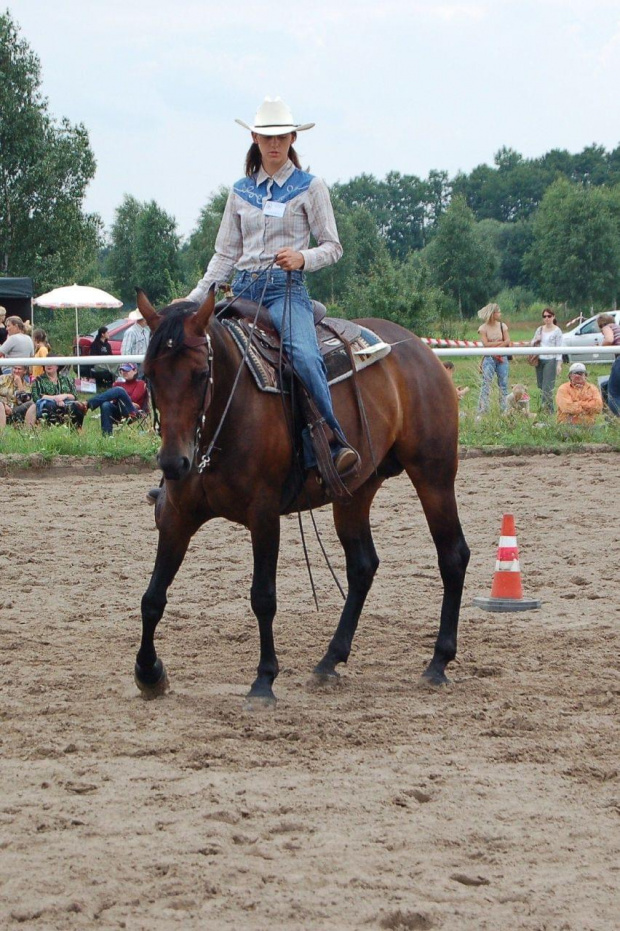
[588, 334]
[116, 331]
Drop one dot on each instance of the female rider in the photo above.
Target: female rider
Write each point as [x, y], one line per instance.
[264, 235]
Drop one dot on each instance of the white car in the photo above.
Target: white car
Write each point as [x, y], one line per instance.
[588, 334]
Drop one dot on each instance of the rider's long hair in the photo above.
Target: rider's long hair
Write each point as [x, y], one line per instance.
[253, 160]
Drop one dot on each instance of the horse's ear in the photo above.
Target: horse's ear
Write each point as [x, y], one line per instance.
[147, 310]
[203, 314]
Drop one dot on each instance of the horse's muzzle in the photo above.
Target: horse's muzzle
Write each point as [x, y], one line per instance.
[174, 467]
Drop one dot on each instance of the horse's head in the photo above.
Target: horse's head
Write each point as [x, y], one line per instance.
[177, 365]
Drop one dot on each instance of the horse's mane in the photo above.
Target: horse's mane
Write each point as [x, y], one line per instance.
[171, 332]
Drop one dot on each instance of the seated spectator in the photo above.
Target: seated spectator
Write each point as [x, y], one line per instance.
[460, 391]
[3, 332]
[518, 401]
[115, 405]
[578, 401]
[134, 386]
[41, 350]
[17, 345]
[16, 405]
[55, 399]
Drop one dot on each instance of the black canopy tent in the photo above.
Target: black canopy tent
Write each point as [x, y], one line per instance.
[16, 296]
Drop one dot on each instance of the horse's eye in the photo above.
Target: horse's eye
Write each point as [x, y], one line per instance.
[198, 376]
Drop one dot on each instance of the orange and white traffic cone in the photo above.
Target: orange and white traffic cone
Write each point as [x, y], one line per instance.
[507, 590]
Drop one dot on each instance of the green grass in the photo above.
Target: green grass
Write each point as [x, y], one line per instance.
[492, 430]
[127, 441]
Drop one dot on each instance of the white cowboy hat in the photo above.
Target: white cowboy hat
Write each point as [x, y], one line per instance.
[274, 118]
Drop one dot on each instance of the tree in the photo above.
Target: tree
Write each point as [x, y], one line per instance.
[361, 247]
[462, 264]
[575, 255]
[121, 257]
[44, 171]
[196, 254]
[157, 253]
[144, 251]
[399, 291]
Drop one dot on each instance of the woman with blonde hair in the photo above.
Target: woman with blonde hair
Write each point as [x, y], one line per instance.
[493, 333]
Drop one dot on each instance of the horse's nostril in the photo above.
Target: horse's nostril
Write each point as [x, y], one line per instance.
[173, 467]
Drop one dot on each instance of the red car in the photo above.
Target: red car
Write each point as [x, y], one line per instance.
[116, 331]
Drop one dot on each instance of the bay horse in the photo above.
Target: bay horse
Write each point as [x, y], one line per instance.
[411, 414]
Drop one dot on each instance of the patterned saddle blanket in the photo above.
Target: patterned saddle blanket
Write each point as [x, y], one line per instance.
[339, 342]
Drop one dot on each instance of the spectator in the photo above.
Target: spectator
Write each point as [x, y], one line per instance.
[41, 351]
[134, 386]
[577, 400]
[611, 337]
[115, 405]
[54, 396]
[16, 405]
[17, 345]
[136, 340]
[518, 401]
[493, 333]
[460, 391]
[3, 332]
[548, 334]
[101, 372]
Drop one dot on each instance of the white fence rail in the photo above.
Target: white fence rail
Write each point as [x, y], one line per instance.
[515, 351]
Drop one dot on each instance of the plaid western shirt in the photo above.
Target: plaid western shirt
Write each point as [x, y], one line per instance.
[249, 237]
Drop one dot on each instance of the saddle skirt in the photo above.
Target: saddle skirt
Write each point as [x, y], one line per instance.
[339, 342]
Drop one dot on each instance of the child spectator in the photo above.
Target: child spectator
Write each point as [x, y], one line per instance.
[518, 401]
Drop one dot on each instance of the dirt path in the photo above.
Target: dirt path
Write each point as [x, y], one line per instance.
[493, 804]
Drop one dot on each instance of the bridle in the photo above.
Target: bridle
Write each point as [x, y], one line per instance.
[193, 342]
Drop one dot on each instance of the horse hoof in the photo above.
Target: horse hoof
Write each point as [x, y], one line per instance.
[259, 702]
[325, 677]
[435, 677]
[159, 686]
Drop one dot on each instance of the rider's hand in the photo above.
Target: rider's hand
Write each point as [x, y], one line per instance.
[289, 260]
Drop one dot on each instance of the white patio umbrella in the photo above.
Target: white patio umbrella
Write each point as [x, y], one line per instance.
[76, 296]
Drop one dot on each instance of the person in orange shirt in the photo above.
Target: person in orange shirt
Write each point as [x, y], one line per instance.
[577, 400]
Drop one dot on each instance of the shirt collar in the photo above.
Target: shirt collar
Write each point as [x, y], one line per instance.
[282, 175]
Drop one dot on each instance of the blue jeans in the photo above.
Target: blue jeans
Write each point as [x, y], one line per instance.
[613, 388]
[297, 331]
[490, 368]
[115, 403]
[55, 413]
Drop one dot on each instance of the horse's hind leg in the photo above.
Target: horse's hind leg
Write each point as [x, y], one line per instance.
[174, 537]
[439, 504]
[353, 528]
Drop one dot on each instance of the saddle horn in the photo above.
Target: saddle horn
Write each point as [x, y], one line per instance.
[147, 310]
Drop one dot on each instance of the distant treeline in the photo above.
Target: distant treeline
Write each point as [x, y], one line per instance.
[418, 250]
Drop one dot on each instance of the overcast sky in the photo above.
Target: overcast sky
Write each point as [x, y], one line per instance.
[391, 84]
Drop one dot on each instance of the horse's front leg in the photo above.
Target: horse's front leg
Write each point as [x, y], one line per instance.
[174, 536]
[265, 531]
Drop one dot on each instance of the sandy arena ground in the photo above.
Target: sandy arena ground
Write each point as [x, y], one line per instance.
[380, 804]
